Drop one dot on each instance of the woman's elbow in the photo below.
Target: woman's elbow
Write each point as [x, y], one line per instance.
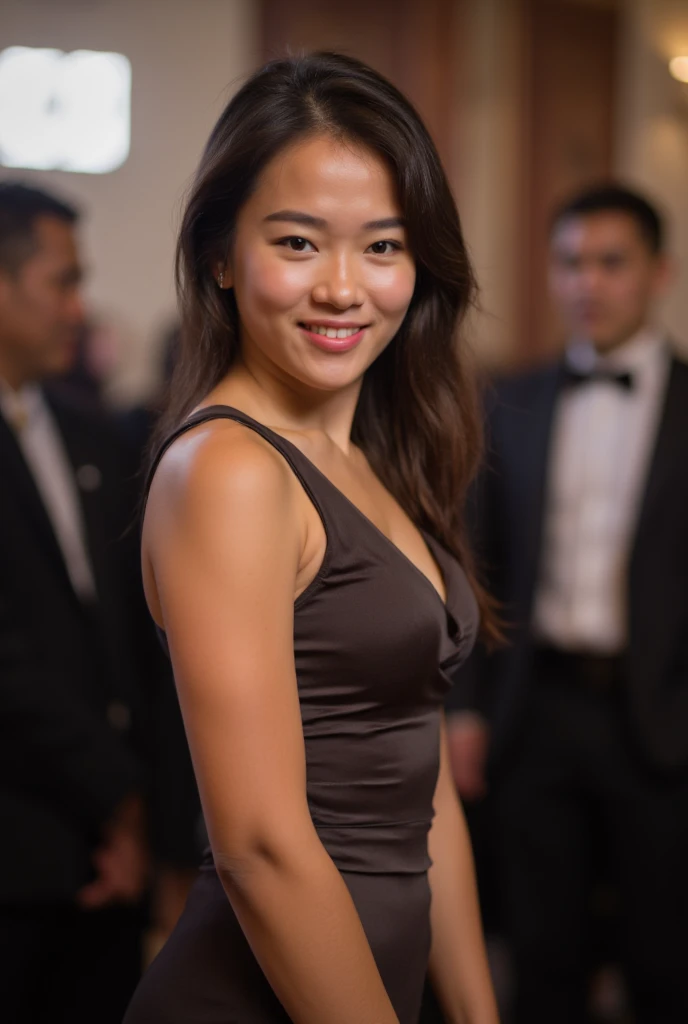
[243, 864]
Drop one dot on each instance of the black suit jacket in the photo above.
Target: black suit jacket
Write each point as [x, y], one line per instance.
[510, 505]
[71, 706]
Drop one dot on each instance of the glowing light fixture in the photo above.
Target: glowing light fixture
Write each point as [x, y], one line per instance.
[679, 68]
[64, 111]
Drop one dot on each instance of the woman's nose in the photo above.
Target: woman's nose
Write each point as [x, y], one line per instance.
[338, 285]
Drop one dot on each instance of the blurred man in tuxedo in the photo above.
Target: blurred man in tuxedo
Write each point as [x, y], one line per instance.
[582, 518]
[73, 857]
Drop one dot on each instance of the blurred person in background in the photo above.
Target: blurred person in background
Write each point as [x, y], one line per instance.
[88, 378]
[583, 524]
[73, 857]
[176, 824]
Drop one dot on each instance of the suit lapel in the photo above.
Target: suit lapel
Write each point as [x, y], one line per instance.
[18, 481]
[669, 450]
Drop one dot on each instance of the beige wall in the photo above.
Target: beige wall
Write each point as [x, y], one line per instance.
[185, 55]
[652, 144]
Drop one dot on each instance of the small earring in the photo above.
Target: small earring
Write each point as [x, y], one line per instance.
[221, 278]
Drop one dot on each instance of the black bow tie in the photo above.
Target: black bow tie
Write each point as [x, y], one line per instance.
[622, 378]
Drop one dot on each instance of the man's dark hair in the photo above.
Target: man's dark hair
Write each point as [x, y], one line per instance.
[615, 199]
[20, 207]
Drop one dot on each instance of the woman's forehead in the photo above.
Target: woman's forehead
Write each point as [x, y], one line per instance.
[329, 179]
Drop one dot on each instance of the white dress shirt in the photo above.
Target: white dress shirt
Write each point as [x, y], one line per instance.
[28, 414]
[599, 460]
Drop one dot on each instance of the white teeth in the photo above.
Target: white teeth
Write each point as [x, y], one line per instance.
[333, 332]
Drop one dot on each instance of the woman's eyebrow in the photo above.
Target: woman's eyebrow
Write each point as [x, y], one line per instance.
[296, 217]
[386, 222]
[308, 220]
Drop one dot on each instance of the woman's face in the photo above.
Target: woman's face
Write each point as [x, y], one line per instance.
[320, 266]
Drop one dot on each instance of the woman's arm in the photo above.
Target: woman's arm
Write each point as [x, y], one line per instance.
[458, 963]
[223, 541]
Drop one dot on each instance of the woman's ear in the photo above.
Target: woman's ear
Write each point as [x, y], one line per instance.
[224, 276]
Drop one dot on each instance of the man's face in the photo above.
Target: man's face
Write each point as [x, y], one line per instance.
[41, 308]
[604, 277]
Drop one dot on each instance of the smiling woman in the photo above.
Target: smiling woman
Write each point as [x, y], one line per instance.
[342, 285]
[303, 553]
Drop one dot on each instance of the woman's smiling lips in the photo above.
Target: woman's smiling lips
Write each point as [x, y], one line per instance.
[333, 335]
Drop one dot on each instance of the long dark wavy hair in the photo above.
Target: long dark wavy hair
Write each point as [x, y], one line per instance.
[417, 418]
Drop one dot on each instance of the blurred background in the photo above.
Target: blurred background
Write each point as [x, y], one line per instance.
[526, 99]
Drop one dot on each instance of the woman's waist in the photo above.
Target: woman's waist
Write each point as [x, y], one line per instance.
[376, 847]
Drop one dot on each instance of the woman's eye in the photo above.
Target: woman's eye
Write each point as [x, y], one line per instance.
[295, 243]
[384, 248]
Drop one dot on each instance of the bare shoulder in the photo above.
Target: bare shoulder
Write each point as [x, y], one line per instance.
[220, 470]
[222, 523]
[221, 458]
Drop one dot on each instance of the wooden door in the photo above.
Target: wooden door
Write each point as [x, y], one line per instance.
[568, 137]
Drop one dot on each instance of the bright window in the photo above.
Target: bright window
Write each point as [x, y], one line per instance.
[64, 111]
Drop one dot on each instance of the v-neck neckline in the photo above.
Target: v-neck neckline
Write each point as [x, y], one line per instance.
[362, 516]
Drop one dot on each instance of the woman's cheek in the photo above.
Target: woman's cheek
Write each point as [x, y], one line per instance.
[395, 291]
[275, 284]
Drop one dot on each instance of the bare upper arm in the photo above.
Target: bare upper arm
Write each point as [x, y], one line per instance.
[445, 790]
[222, 544]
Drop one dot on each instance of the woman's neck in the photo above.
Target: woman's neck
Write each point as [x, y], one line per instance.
[286, 406]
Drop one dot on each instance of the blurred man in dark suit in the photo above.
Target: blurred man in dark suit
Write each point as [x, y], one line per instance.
[583, 525]
[73, 858]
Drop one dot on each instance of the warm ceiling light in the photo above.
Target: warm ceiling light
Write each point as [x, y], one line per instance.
[679, 68]
[64, 111]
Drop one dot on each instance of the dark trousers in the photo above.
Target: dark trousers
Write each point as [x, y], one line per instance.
[63, 966]
[576, 796]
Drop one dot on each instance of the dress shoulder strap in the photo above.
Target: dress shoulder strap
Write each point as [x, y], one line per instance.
[306, 472]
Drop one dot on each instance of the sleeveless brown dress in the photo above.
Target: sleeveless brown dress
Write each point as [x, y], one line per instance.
[373, 646]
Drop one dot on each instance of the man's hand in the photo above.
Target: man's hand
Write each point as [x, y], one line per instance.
[468, 737]
[121, 861]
